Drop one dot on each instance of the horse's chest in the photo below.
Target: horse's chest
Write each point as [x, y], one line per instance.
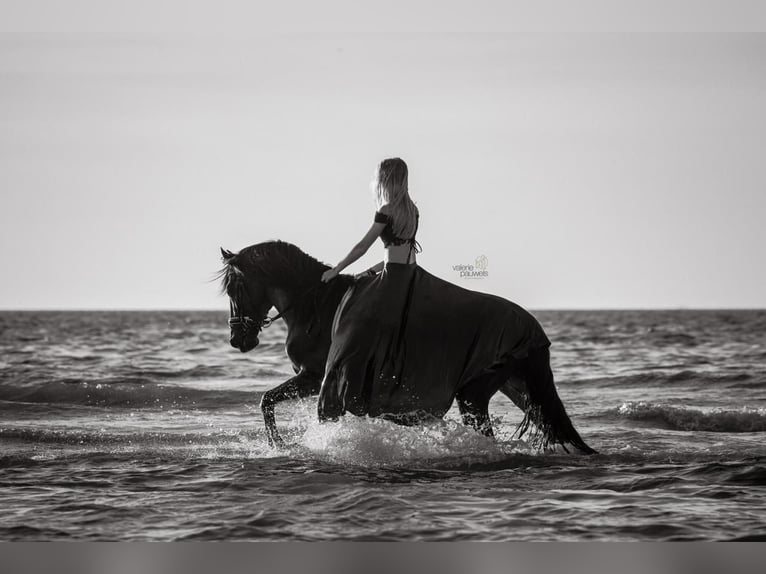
[306, 352]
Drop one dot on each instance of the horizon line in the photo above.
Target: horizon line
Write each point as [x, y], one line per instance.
[223, 309]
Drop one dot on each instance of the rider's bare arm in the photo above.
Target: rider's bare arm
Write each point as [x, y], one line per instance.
[361, 248]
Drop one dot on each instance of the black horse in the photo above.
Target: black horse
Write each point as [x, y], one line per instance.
[278, 274]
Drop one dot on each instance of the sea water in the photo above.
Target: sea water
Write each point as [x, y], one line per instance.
[146, 426]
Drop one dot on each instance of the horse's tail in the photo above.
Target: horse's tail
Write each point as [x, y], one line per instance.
[544, 409]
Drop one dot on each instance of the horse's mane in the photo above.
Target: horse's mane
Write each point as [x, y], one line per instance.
[278, 263]
[273, 262]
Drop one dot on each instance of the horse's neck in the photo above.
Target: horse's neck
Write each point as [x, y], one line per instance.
[292, 301]
[286, 299]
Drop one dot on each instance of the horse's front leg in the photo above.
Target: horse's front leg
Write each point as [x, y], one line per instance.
[302, 385]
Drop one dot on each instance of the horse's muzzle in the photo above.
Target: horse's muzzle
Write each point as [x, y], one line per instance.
[244, 344]
[244, 333]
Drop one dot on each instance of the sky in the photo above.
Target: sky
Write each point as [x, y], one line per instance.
[592, 170]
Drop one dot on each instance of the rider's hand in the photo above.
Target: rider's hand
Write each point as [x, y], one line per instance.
[329, 275]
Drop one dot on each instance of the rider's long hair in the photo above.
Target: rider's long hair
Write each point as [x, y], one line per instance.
[389, 185]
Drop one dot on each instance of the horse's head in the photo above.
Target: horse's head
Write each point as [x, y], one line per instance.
[248, 302]
[269, 273]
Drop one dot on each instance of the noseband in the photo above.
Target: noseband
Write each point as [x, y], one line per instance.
[245, 323]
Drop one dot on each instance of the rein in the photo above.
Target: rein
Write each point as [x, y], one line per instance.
[247, 323]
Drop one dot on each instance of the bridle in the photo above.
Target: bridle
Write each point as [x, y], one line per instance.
[247, 323]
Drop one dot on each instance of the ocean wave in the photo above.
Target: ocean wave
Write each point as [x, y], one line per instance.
[681, 378]
[111, 439]
[196, 372]
[201, 372]
[30, 375]
[128, 393]
[745, 419]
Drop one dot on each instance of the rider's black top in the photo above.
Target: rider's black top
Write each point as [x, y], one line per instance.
[387, 235]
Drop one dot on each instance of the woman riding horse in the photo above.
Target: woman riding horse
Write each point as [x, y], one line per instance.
[396, 342]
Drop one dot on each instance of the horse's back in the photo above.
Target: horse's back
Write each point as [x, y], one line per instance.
[445, 304]
[453, 335]
[443, 337]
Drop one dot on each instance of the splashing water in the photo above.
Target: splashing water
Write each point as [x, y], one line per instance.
[366, 441]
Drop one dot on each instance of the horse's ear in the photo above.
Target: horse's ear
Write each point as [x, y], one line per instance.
[226, 254]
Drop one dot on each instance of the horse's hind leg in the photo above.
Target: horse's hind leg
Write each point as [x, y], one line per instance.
[473, 400]
[515, 388]
[475, 413]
